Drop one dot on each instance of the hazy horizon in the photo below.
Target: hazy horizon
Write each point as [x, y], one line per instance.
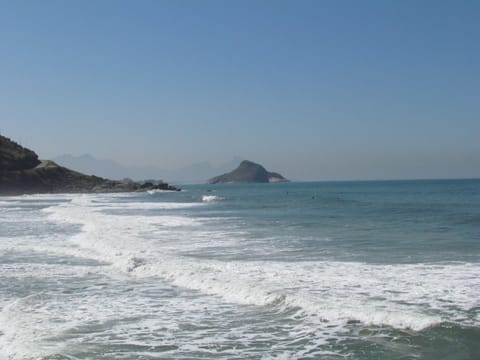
[314, 90]
[195, 173]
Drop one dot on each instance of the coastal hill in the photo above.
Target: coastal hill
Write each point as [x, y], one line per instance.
[21, 172]
[248, 172]
[15, 157]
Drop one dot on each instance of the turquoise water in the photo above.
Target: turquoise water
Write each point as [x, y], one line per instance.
[340, 270]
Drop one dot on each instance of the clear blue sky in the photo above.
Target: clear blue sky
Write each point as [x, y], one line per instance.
[312, 89]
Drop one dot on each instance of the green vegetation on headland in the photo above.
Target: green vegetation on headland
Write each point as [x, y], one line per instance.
[21, 172]
[248, 172]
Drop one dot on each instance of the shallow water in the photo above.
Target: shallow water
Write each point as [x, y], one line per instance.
[356, 270]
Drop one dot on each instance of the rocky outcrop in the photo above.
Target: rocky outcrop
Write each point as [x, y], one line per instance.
[22, 173]
[15, 157]
[248, 172]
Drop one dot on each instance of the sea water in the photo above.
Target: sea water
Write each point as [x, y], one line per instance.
[344, 270]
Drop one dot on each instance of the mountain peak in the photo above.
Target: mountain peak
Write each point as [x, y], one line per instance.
[248, 172]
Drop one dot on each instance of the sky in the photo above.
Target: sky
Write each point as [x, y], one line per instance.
[316, 90]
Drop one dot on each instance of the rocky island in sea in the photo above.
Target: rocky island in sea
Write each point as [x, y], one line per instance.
[21, 172]
[248, 172]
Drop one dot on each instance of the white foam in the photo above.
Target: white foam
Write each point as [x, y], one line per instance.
[158, 191]
[210, 198]
[38, 326]
[9, 209]
[8, 202]
[336, 292]
[284, 287]
[46, 271]
[115, 238]
[400, 296]
[154, 205]
[320, 298]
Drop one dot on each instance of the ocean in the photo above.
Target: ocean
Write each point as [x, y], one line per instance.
[325, 270]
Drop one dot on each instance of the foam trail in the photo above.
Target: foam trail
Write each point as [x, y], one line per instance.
[329, 291]
[211, 198]
[155, 205]
[261, 284]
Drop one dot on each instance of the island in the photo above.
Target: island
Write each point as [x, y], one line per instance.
[22, 172]
[248, 172]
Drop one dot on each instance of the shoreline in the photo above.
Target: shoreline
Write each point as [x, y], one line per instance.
[118, 188]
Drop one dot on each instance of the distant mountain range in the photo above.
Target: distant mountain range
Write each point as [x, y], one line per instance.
[22, 172]
[192, 174]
